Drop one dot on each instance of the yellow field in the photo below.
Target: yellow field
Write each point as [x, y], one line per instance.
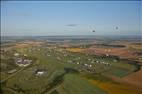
[114, 88]
[75, 49]
[27, 44]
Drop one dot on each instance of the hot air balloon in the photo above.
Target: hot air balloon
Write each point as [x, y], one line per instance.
[93, 31]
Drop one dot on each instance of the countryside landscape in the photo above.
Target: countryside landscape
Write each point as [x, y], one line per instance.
[71, 47]
[71, 65]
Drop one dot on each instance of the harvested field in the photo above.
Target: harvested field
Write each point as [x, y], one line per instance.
[121, 52]
[27, 44]
[116, 88]
[75, 49]
[135, 79]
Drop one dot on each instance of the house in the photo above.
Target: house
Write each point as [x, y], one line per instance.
[97, 61]
[85, 64]
[25, 55]
[103, 62]
[16, 54]
[40, 72]
[89, 59]
[107, 54]
[90, 65]
[77, 63]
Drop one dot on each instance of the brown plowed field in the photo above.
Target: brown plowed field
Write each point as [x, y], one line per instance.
[135, 79]
[121, 52]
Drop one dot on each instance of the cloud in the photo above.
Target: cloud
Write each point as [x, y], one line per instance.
[72, 25]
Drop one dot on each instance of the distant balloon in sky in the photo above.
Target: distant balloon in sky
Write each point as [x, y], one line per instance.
[93, 31]
[116, 28]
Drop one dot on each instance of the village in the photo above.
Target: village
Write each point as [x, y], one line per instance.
[22, 60]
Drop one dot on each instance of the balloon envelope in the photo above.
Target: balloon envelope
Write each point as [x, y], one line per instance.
[93, 31]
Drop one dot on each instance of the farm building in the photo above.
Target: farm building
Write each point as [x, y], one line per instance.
[25, 55]
[39, 72]
[16, 54]
[23, 62]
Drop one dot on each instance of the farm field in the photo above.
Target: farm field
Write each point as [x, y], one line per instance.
[42, 67]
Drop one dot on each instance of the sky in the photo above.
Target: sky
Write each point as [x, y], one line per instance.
[51, 18]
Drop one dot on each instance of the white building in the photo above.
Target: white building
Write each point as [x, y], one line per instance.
[16, 54]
